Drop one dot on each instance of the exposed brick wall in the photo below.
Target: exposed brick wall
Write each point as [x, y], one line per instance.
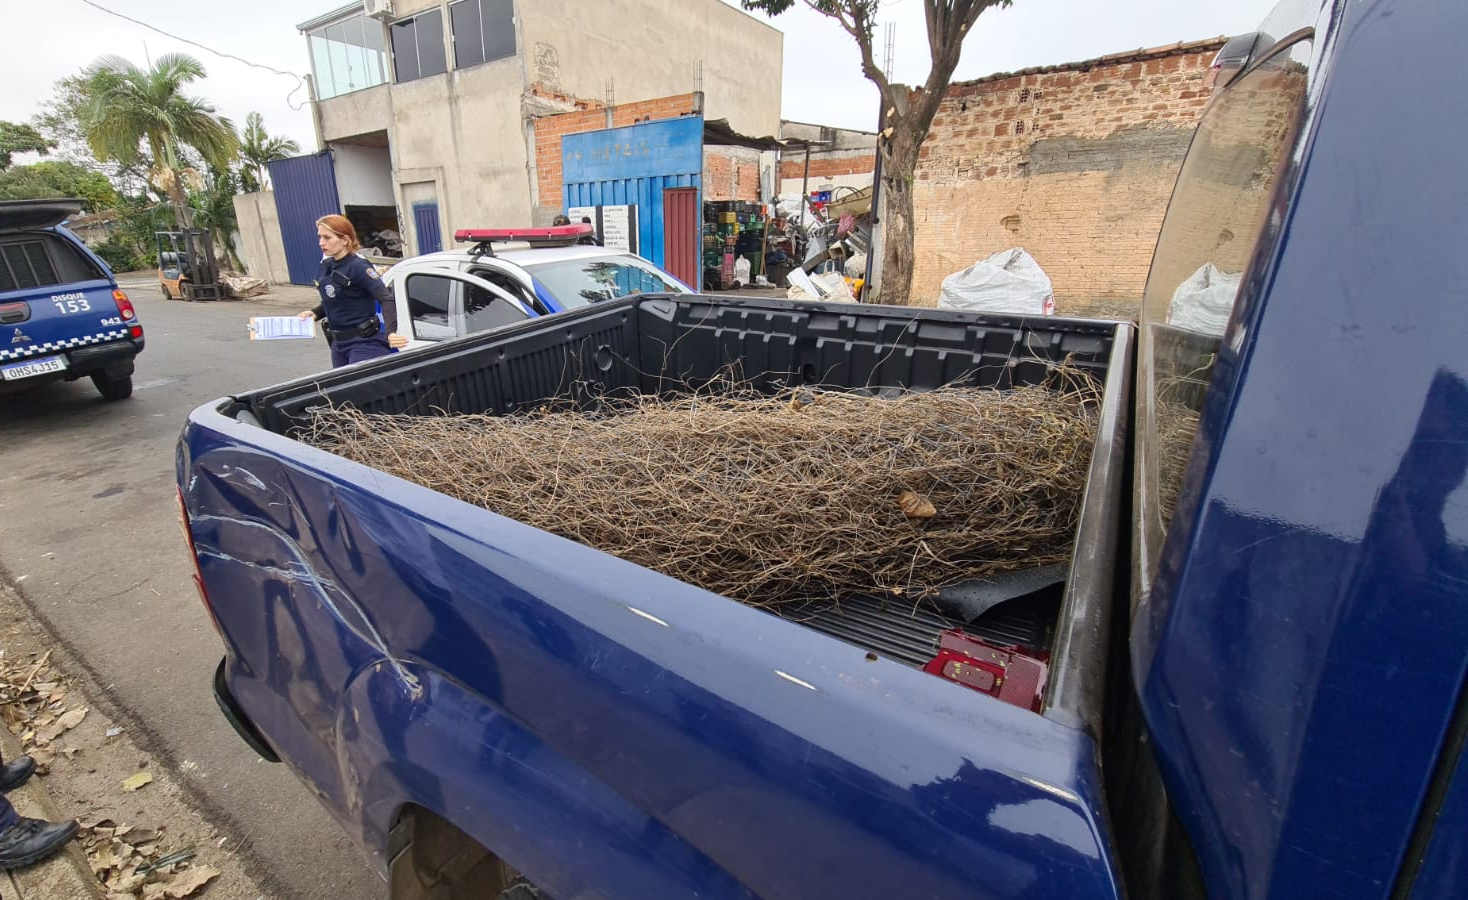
[731, 173]
[845, 162]
[591, 116]
[1075, 164]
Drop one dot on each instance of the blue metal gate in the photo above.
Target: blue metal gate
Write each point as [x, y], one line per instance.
[305, 190]
[634, 165]
[425, 222]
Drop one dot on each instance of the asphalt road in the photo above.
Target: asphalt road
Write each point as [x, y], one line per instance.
[89, 530]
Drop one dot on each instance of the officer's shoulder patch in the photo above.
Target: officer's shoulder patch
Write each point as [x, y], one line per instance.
[372, 271]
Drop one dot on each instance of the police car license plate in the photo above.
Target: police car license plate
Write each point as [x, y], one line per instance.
[17, 371]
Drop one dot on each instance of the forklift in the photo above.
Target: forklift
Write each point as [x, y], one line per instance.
[186, 267]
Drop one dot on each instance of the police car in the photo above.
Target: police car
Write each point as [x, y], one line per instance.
[508, 275]
[62, 315]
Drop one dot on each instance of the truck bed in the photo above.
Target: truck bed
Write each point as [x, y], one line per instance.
[652, 344]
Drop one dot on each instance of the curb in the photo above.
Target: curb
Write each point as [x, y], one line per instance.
[66, 876]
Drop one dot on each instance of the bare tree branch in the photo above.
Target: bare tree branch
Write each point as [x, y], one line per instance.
[851, 16]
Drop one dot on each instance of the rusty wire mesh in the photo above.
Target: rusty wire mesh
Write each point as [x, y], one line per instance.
[768, 499]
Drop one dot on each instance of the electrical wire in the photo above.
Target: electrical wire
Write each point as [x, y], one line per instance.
[300, 83]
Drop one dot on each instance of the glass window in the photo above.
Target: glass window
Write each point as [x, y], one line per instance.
[428, 307]
[31, 261]
[468, 35]
[373, 52]
[1243, 147]
[417, 46]
[347, 56]
[483, 30]
[432, 57]
[483, 310]
[405, 50]
[512, 287]
[577, 282]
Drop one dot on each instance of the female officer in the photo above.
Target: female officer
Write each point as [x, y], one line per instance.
[350, 293]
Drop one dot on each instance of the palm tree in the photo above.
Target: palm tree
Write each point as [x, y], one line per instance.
[131, 106]
[258, 149]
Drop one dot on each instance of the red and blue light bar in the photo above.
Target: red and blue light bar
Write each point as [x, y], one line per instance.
[556, 235]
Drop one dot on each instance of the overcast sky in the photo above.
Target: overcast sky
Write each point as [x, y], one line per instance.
[822, 78]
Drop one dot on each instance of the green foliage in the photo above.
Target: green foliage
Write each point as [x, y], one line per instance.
[16, 138]
[139, 219]
[257, 149]
[127, 108]
[213, 209]
[121, 254]
[60, 121]
[131, 107]
[45, 180]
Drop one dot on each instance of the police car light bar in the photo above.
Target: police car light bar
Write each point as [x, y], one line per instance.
[556, 236]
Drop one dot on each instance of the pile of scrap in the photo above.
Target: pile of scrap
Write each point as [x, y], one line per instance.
[242, 287]
[768, 499]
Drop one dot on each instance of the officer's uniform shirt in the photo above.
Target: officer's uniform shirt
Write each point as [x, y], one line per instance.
[350, 290]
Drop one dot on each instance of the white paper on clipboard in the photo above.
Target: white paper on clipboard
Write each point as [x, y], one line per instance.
[281, 328]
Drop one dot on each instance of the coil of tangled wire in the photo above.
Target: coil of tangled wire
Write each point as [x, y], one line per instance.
[768, 499]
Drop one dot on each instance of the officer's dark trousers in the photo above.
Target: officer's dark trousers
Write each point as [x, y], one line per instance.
[8, 815]
[352, 350]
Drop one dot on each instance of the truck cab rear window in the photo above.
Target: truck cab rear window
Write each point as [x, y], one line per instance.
[41, 260]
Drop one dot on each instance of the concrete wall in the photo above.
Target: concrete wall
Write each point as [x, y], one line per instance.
[1075, 164]
[651, 48]
[260, 245]
[360, 112]
[363, 175]
[462, 131]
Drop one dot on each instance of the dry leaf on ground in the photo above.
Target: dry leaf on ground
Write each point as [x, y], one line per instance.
[187, 883]
[136, 782]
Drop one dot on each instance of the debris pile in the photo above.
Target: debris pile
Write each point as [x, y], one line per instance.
[768, 499]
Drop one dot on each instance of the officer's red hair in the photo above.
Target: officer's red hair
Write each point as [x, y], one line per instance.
[339, 226]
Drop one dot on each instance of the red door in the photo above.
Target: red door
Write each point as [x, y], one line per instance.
[682, 226]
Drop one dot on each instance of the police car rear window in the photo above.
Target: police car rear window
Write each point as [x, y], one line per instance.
[39, 261]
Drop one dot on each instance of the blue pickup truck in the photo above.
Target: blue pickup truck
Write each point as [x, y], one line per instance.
[1256, 655]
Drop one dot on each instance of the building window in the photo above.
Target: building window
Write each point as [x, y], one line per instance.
[417, 47]
[347, 55]
[483, 30]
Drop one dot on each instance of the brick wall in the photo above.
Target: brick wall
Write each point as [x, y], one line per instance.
[834, 165]
[1075, 164]
[591, 116]
[731, 173]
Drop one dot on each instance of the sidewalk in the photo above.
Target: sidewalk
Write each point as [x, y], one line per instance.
[66, 876]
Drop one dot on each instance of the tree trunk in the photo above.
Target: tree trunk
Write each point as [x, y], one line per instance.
[899, 162]
[180, 201]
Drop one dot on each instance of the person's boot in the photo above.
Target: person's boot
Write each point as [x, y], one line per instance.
[31, 840]
[14, 773]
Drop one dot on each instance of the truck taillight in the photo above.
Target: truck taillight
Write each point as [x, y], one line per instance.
[188, 533]
[128, 314]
